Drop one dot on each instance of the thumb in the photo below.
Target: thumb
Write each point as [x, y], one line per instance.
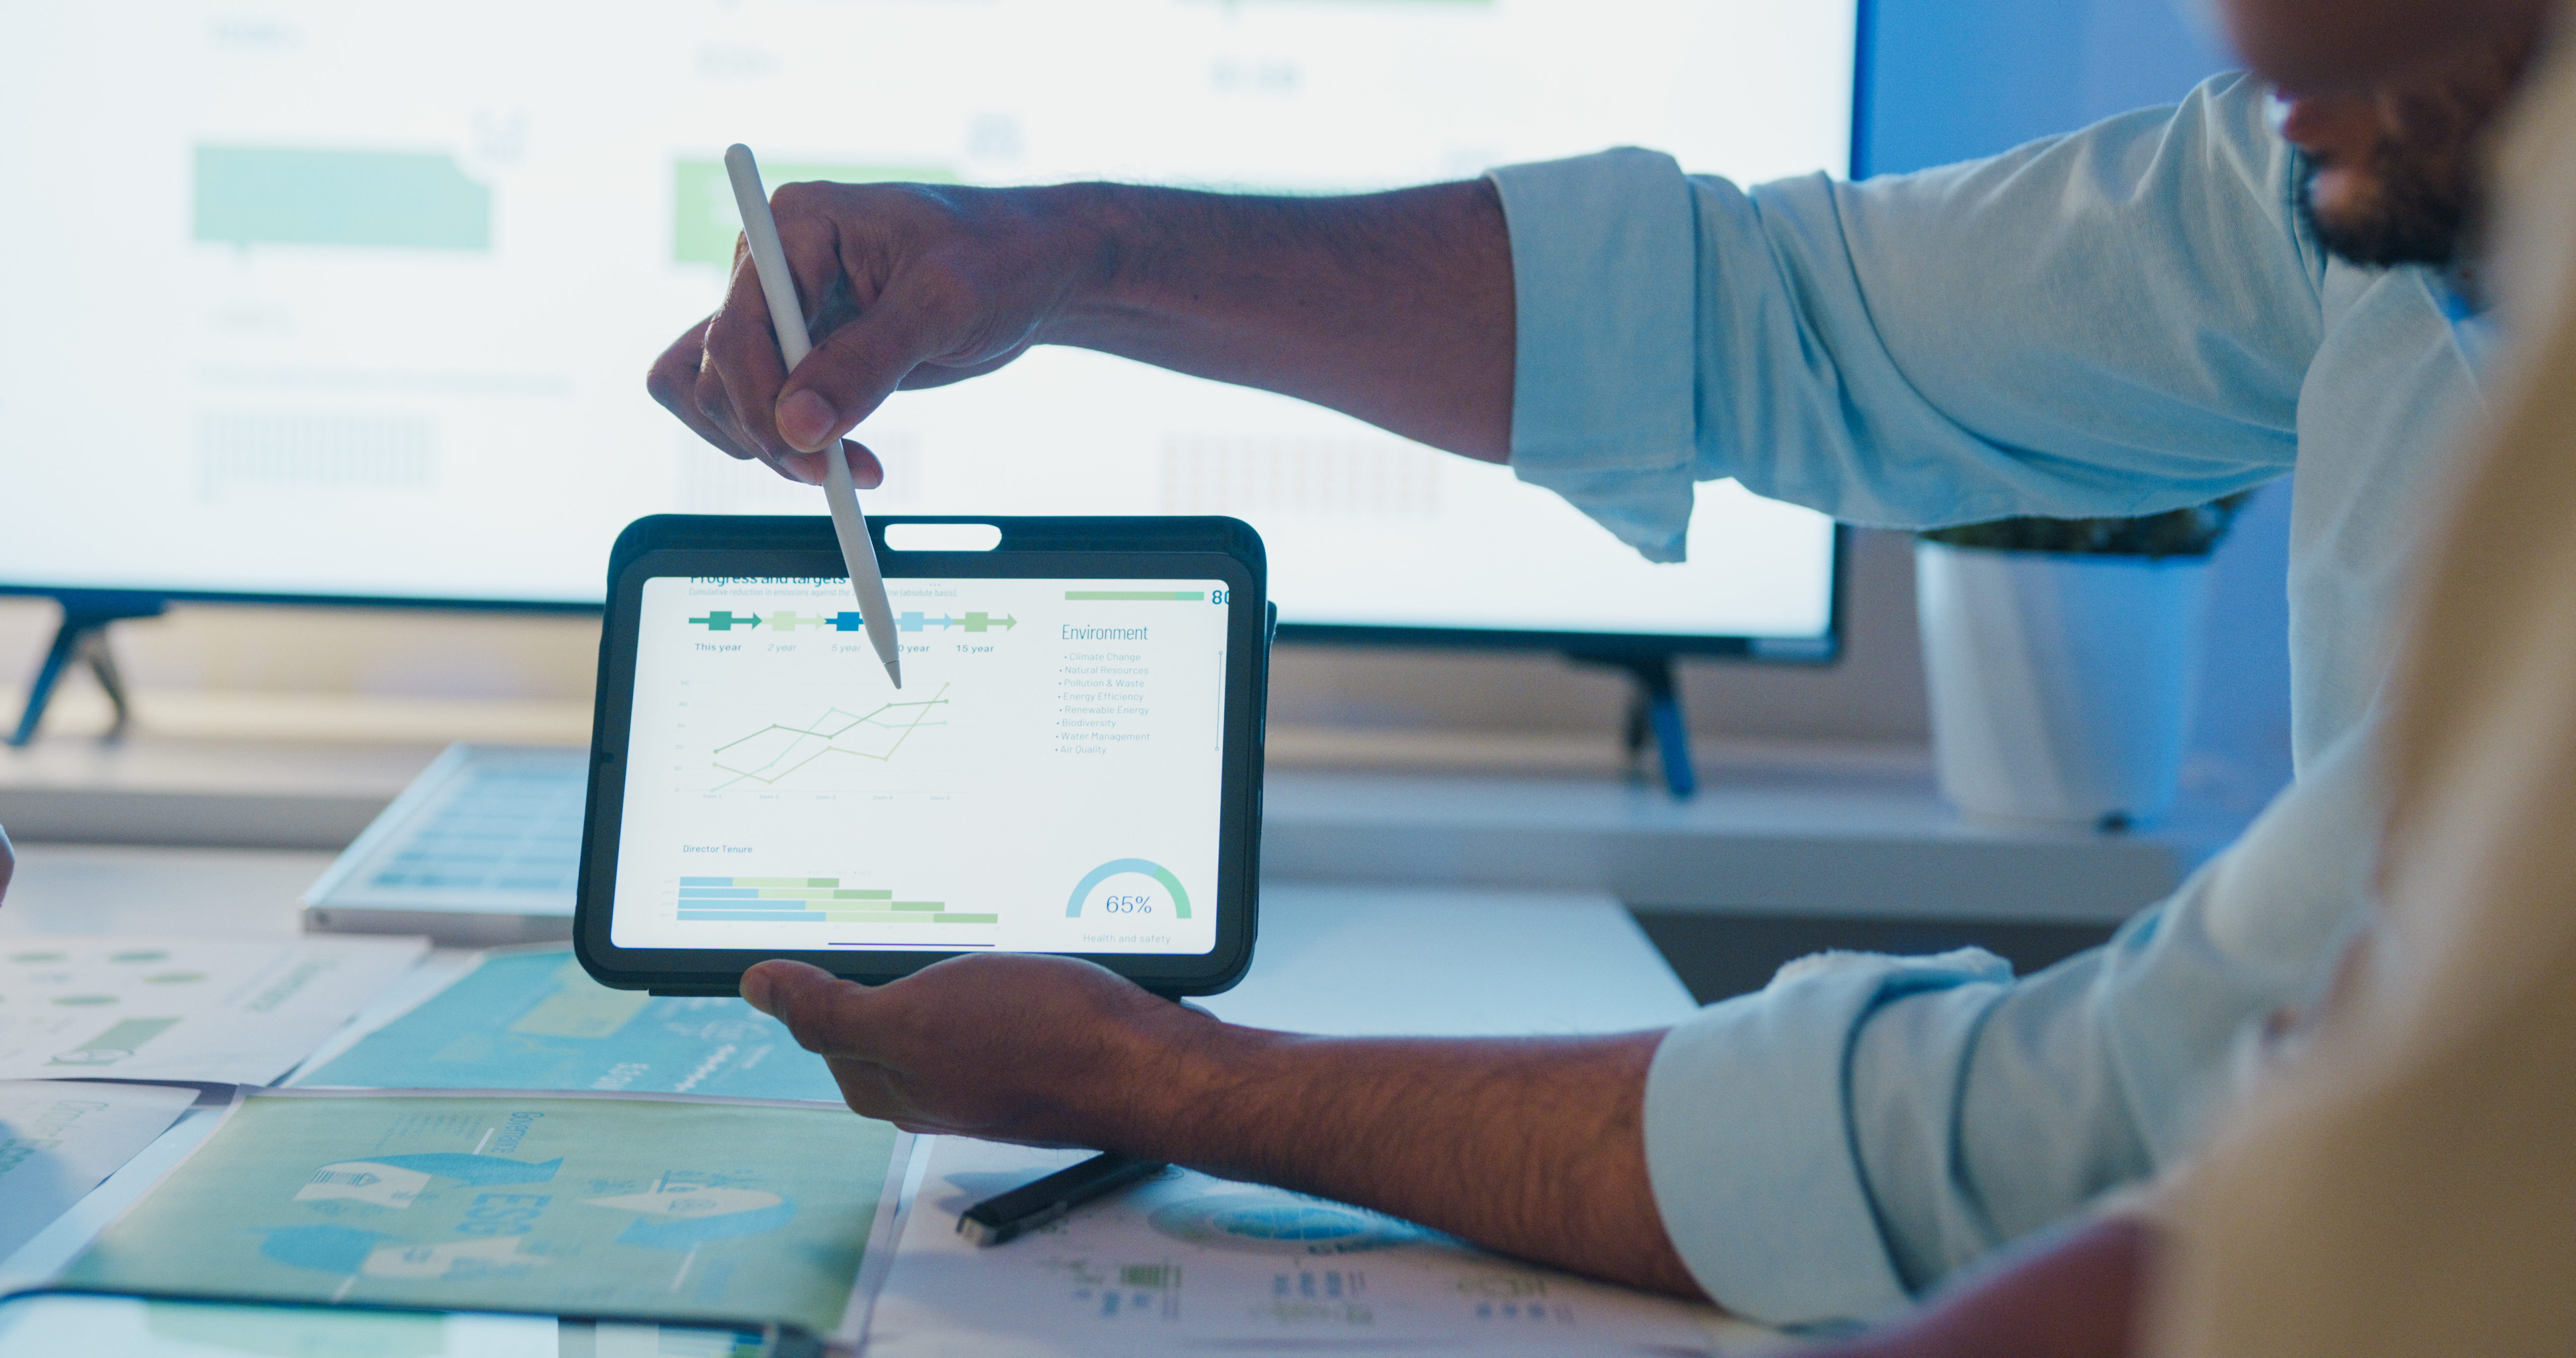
[825, 1013]
[861, 363]
[867, 471]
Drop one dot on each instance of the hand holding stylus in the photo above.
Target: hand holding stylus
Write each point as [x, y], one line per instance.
[1394, 307]
[787, 318]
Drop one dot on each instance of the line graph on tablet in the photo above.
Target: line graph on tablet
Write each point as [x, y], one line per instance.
[778, 751]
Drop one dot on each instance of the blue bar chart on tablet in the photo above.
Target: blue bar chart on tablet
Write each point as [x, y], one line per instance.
[1048, 779]
[808, 900]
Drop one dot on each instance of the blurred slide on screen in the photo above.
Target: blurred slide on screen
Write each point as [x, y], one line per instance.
[380, 283]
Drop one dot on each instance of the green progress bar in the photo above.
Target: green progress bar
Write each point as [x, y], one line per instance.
[1137, 596]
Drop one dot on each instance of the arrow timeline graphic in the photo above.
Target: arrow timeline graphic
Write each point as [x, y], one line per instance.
[972, 622]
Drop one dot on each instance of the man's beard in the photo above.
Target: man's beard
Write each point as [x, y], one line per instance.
[2419, 212]
[2424, 178]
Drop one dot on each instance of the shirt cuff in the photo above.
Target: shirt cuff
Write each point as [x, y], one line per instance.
[1749, 1143]
[1605, 277]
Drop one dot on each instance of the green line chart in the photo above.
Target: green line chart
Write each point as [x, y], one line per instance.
[778, 750]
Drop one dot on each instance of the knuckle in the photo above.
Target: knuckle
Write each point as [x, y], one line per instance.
[663, 381]
[708, 387]
[728, 336]
[803, 198]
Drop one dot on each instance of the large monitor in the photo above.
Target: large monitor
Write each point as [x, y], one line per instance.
[347, 302]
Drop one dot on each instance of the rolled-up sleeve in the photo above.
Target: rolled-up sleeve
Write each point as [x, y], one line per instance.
[1749, 1137]
[2113, 322]
[1830, 1146]
[1606, 373]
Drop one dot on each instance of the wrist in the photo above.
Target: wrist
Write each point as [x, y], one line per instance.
[1087, 235]
[1180, 1068]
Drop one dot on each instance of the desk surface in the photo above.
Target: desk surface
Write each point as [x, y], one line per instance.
[1330, 960]
[1782, 829]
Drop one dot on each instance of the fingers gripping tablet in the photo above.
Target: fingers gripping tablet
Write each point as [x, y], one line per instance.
[1073, 765]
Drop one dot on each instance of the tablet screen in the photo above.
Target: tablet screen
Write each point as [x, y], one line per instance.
[1048, 779]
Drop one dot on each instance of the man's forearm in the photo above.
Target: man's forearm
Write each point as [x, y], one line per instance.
[1394, 307]
[1535, 1147]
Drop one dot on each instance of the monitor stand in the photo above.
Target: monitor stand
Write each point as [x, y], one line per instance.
[82, 638]
[1654, 709]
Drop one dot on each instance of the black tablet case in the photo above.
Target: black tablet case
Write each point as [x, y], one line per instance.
[1101, 540]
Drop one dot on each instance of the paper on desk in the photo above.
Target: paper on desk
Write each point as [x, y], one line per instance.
[533, 1019]
[1189, 1262]
[60, 1139]
[652, 1208]
[220, 1010]
[129, 1327]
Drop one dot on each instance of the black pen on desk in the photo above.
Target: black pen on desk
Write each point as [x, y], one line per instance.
[1030, 1206]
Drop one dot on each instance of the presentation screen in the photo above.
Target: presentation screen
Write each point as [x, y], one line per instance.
[1047, 779]
[356, 300]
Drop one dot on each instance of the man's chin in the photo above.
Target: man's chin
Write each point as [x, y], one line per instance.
[2341, 192]
[2359, 221]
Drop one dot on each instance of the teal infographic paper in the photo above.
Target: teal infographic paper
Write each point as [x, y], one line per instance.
[647, 1208]
[535, 1020]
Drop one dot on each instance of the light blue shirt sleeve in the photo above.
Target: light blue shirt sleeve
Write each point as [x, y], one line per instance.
[2116, 322]
[2110, 323]
[1830, 1146]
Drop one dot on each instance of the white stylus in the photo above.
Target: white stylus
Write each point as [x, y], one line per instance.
[787, 318]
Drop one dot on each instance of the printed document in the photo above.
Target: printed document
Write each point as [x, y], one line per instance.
[59, 1139]
[1189, 1262]
[535, 1020]
[652, 1208]
[218, 1010]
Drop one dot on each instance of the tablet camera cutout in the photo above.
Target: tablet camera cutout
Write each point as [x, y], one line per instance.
[942, 537]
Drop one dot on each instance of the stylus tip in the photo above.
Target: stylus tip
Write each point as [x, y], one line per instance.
[894, 671]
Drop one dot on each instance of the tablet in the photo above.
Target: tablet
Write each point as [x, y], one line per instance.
[1073, 763]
